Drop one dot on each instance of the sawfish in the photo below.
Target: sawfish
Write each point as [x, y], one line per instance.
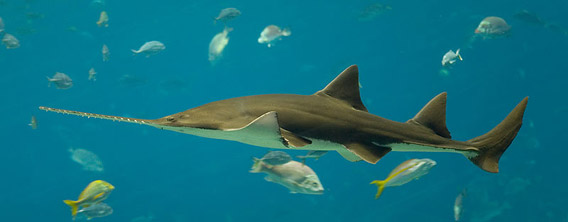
[333, 119]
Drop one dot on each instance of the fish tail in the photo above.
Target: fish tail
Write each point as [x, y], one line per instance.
[286, 32]
[380, 187]
[458, 54]
[74, 207]
[256, 166]
[494, 143]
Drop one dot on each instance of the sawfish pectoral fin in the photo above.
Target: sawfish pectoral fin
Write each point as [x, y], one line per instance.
[370, 153]
[293, 140]
[266, 132]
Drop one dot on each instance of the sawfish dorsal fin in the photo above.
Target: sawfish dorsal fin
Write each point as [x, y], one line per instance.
[345, 87]
[433, 116]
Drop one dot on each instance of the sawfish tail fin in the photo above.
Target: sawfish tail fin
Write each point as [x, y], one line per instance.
[493, 144]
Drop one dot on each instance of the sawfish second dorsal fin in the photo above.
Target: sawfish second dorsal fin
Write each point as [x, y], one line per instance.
[433, 116]
[345, 87]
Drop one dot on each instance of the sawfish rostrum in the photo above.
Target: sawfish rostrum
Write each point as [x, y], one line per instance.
[333, 118]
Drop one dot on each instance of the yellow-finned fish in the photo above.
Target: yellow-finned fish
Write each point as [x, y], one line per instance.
[94, 193]
[404, 173]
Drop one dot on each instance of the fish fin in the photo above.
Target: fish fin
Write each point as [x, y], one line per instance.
[458, 54]
[369, 153]
[433, 116]
[286, 32]
[256, 166]
[493, 144]
[345, 87]
[267, 178]
[381, 183]
[134, 51]
[98, 195]
[291, 139]
[348, 155]
[265, 126]
[74, 207]
[380, 187]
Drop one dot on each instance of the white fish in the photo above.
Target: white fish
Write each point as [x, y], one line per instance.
[89, 160]
[227, 14]
[10, 41]
[272, 33]
[458, 205]
[150, 48]
[450, 57]
[106, 53]
[61, 81]
[92, 74]
[295, 176]
[405, 172]
[96, 210]
[218, 43]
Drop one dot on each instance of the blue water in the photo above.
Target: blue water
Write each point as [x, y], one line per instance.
[178, 177]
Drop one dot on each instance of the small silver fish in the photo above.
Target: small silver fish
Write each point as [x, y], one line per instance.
[316, 154]
[150, 48]
[227, 14]
[92, 74]
[106, 53]
[96, 210]
[276, 158]
[10, 41]
[405, 172]
[218, 43]
[61, 81]
[89, 160]
[295, 176]
[272, 33]
[450, 57]
[458, 205]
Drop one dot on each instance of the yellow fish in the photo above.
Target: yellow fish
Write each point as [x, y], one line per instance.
[103, 19]
[94, 193]
[404, 173]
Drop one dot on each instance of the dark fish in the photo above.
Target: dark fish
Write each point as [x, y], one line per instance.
[316, 154]
[227, 14]
[529, 17]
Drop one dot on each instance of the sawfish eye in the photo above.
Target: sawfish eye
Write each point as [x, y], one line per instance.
[170, 118]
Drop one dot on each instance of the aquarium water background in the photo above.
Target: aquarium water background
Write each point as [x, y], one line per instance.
[167, 176]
